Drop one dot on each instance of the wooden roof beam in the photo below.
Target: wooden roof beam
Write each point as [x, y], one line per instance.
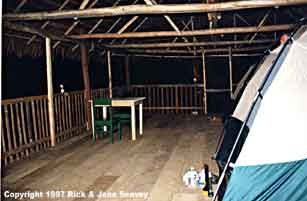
[192, 44]
[151, 9]
[244, 49]
[203, 32]
[187, 56]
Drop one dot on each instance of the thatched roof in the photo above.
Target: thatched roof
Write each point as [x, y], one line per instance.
[164, 27]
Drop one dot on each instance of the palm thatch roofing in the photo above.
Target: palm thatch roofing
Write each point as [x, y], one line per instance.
[166, 28]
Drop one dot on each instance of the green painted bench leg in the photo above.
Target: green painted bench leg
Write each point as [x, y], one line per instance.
[101, 134]
[120, 131]
[94, 136]
[111, 135]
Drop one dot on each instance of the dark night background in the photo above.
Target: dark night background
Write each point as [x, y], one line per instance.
[26, 76]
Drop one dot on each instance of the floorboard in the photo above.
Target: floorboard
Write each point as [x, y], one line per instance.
[154, 163]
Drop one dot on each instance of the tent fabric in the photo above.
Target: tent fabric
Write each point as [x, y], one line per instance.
[272, 164]
[242, 82]
[230, 133]
[274, 182]
[252, 87]
[281, 117]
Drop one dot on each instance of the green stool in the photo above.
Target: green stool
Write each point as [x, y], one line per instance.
[112, 123]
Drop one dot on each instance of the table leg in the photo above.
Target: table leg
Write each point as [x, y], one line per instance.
[133, 122]
[104, 116]
[93, 119]
[141, 117]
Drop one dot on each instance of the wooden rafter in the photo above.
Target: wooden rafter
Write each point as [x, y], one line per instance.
[95, 26]
[228, 30]
[82, 6]
[36, 31]
[154, 9]
[20, 5]
[47, 22]
[168, 19]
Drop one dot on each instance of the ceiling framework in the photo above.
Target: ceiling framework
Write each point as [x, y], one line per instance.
[150, 27]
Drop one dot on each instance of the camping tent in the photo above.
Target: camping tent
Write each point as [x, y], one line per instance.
[272, 163]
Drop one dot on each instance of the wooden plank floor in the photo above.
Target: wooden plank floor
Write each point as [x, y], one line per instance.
[153, 164]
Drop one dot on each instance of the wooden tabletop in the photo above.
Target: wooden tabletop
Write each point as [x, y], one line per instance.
[128, 101]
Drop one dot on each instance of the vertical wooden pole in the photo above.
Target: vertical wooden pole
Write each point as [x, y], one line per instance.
[127, 72]
[50, 92]
[110, 73]
[205, 81]
[86, 82]
[230, 71]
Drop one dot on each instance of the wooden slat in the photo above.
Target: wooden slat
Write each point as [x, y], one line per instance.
[39, 122]
[82, 109]
[3, 144]
[8, 130]
[78, 109]
[170, 98]
[177, 99]
[13, 129]
[195, 96]
[34, 120]
[56, 113]
[181, 97]
[191, 96]
[19, 128]
[25, 138]
[162, 99]
[69, 112]
[29, 123]
[66, 114]
[159, 98]
[43, 124]
[62, 113]
[46, 121]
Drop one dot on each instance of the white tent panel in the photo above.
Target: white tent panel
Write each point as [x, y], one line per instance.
[279, 131]
[251, 89]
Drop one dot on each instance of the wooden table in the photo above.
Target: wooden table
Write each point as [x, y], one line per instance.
[132, 103]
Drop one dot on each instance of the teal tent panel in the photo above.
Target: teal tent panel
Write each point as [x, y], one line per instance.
[270, 182]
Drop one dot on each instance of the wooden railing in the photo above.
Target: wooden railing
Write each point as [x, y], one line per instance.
[25, 121]
[175, 98]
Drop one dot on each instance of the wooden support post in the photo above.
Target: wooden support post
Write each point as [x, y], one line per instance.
[205, 85]
[127, 72]
[110, 73]
[230, 70]
[50, 92]
[86, 82]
